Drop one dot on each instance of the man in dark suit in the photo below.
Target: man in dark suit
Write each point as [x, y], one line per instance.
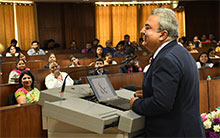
[99, 63]
[170, 98]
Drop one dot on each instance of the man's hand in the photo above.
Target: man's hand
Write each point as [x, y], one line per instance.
[132, 101]
[139, 93]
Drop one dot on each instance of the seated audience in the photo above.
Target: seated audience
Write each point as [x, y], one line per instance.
[51, 58]
[12, 52]
[73, 45]
[212, 54]
[35, 50]
[15, 73]
[120, 50]
[108, 59]
[203, 61]
[22, 56]
[88, 49]
[99, 52]
[130, 67]
[99, 63]
[196, 42]
[191, 48]
[204, 39]
[26, 92]
[211, 38]
[51, 45]
[14, 43]
[108, 47]
[126, 42]
[74, 61]
[135, 46]
[55, 78]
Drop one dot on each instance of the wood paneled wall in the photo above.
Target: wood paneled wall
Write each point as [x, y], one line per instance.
[202, 17]
[65, 22]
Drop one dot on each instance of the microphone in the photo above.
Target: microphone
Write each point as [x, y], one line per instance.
[96, 68]
[64, 82]
[128, 60]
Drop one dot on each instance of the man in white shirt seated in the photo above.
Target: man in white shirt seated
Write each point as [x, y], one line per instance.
[35, 50]
[55, 78]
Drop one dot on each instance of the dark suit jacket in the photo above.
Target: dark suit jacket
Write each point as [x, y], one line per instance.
[170, 100]
[94, 72]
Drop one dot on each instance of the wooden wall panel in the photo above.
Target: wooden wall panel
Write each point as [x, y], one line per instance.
[203, 97]
[50, 22]
[65, 22]
[79, 23]
[214, 94]
[202, 17]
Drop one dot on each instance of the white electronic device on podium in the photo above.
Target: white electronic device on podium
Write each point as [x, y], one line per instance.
[77, 107]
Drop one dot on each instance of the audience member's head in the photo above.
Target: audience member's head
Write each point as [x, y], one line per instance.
[99, 52]
[190, 45]
[20, 65]
[74, 60]
[14, 42]
[22, 56]
[73, 45]
[88, 45]
[211, 37]
[99, 62]
[26, 79]
[203, 38]
[35, 45]
[120, 46]
[53, 66]
[108, 43]
[12, 50]
[108, 57]
[50, 43]
[52, 58]
[196, 40]
[203, 58]
[126, 38]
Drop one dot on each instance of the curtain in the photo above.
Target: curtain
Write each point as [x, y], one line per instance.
[103, 24]
[181, 18]
[26, 23]
[7, 30]
[124, 21]
[113, 22]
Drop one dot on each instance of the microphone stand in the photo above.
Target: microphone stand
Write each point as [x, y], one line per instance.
[97, 68]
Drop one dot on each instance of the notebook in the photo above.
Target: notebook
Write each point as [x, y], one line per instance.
[105, 92]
